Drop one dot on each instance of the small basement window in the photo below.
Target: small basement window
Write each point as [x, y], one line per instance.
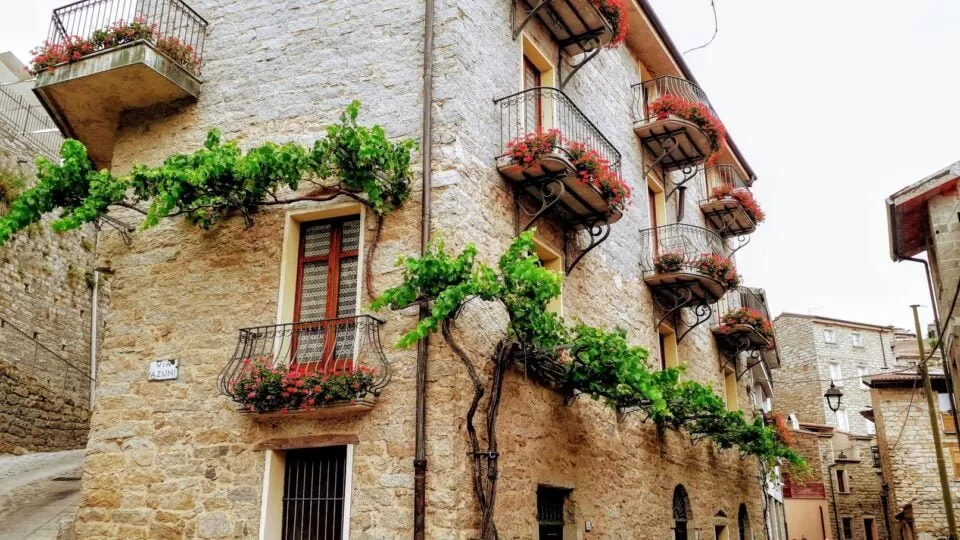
[668, 347]
[551, 260]
[551, 511]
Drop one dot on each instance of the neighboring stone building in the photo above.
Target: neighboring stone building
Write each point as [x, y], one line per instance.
[815, 352]
[907, 456]
[923, 218]
[45, 293]
[176, 458]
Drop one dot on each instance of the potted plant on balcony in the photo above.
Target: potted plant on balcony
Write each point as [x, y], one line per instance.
[692, 111]
[669, 262]
[261, 386]
[615, 13]
[743, 196]
[719, 268]
[599, 187]
[749, 323]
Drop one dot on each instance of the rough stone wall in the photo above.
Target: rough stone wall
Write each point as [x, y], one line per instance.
[863, 499]
[798, 368]
[44, 293]
[175, 458]
[804, 373]
[945, 265]
[909, 461]
[36, 419]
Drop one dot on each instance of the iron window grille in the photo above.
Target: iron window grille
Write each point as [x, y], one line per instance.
[314, 492]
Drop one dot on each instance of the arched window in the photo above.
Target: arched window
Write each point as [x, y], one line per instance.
[681, 512]
[743, 523]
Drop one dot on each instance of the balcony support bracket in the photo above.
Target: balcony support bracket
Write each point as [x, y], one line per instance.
[738, 243]
[552, 191]
[682, 297]
[574, 66]
[751, 359]
[597, 230]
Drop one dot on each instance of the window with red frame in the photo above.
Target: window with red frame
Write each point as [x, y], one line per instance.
[326, 297]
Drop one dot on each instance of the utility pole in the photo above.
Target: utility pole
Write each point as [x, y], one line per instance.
[935, 427]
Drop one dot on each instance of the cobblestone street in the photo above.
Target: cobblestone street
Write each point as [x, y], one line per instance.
[37, 493]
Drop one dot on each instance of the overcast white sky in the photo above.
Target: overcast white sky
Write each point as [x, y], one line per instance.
[836, 105]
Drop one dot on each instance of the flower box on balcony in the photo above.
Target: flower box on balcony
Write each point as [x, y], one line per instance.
[320, 369]
[99, 63]
[334, 409]
[675, 122]
[685, 265]
[743, 328]
[730, 206]
[571, 168]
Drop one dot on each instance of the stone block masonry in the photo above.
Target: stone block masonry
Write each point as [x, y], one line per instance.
[34, 418]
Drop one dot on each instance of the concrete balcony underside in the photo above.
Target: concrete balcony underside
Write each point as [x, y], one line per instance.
[87, 98]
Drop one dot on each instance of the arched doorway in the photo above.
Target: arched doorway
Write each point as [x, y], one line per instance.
[681, 513]
[743, 523]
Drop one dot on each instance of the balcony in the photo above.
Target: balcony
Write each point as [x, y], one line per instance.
[729, 207]
[743, 326]
[686, 266]
[107, 57]
[675, 123]
[579, 27]
[319, 369]
[559, 164]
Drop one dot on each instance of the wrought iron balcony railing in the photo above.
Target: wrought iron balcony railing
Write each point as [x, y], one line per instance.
[728, 212]
[30, 122]
[743, 297]
[544, 108]
[647, 92]
[169, 19]
[671, 141]
[723, 175]
[327, 346]
[690, 241]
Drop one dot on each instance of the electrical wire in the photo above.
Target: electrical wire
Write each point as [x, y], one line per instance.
[913, 394]
[716, 29]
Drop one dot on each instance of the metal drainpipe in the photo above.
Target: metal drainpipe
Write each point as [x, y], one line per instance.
[943, 352]
[420, 457]
[833, 498]
[94, 309]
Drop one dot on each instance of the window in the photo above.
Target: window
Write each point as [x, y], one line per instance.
[551, 260]
[668, 348]
[857, 339]
[847, 528]
[955, 461]
[327, 278]
[829, 336]
[730, 390]
[794, 421]
[869, 529]
[860, 374]
[836, 374]
[743, 523]
[307, 493]
[843, 421]
[533, 119]
[871, 427]
[657, 202]
[537, 71]
[550, 511]
[681, 513]
[843, 484]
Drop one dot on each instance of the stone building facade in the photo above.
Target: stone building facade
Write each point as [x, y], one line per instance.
[172, 459]
[907, 455]
[816, 351]
[46, 300]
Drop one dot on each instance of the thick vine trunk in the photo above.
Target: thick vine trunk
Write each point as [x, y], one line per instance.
[485, 460]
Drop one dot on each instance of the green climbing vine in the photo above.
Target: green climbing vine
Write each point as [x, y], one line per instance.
[585, 359]
[220, 180]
